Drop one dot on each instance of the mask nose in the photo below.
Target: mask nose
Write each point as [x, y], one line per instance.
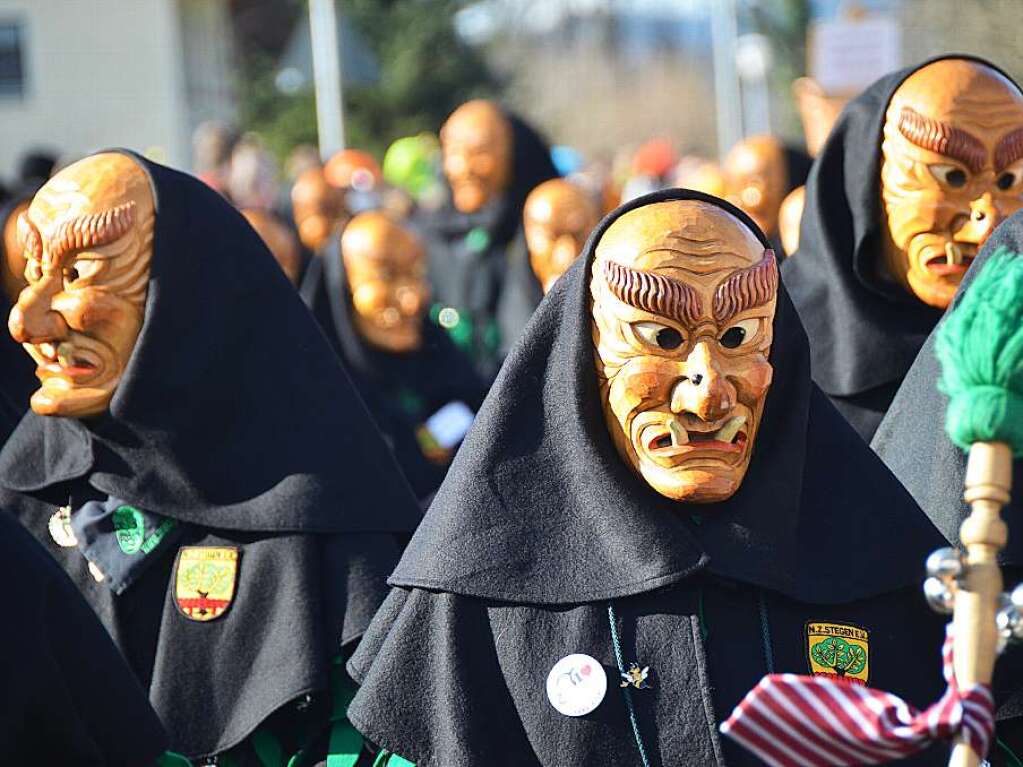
[703, 389]
[984, 217]
[32, 320]
[455, 164]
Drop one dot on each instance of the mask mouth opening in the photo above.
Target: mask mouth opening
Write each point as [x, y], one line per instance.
[955, 259]
[672, 437]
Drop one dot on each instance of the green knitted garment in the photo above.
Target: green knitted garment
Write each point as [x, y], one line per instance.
[980, 348]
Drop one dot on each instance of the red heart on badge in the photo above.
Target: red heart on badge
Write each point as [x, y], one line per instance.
[585, 670]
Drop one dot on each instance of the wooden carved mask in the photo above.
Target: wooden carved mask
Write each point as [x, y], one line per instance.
[318, 208]
[88, 243]
[12, 268]
[952, 169]
[558, 217]
[683, 308]
[386, 269]
[476, 146]
[756, 178]
[279, 240]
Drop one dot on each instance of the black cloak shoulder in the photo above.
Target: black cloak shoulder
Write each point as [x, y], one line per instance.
[864, 329]
[912, 440]
[68, 693]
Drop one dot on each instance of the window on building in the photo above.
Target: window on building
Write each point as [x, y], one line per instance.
[12, 64]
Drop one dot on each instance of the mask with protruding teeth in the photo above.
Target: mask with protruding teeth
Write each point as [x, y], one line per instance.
[732, 426]
[726, 433]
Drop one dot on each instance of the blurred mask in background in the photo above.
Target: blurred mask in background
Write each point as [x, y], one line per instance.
[279, 240]
[358, 177]
[12, 265]
[558, 217]
[817, 111]
[756, 179]
[318, 209]
[476, 145]
[385, 265]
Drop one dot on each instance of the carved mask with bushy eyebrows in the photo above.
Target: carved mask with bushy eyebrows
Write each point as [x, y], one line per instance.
[684, 297]
[952, 170]
[88, 244]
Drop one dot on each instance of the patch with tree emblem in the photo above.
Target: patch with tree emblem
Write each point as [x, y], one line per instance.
[204, 581]
[838, 649]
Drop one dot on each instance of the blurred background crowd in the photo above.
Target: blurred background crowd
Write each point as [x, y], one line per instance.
[622, 88]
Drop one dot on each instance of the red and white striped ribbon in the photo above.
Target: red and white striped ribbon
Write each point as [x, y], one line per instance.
[788, 719]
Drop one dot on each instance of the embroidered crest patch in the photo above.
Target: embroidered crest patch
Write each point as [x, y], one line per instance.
[205, 580]
[838, 649]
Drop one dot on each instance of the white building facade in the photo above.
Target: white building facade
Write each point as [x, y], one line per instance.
[82, 75]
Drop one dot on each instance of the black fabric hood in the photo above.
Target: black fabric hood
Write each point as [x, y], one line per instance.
[912, 440]
[233, 412]
[864, 329]
[539, 508]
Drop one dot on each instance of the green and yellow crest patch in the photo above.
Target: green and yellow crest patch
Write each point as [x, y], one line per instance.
[838, 649]
[204, 581]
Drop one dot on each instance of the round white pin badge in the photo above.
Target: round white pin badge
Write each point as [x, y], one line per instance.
[576, 685]
[60, 529]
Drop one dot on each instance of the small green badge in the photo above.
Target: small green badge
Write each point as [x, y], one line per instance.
[477, 239]
[130, 529]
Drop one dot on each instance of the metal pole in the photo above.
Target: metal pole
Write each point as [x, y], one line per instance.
[324, 28]
[724, 31]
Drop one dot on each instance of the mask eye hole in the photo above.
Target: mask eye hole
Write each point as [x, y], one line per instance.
[656, 334]
[949, 175]
[79, 270]
[740, 334]
[1006, 181]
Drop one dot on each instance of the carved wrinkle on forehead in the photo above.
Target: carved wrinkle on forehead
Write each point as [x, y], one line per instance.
[653, 293]
[30, 238]
[747, 288]
[942, 138]
[92, 230]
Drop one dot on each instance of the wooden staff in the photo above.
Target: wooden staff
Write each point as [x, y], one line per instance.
[984, 534]
[980, 348]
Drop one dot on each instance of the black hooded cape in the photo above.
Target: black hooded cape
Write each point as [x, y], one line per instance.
[913, 442]
[68, 694]
[400, 390]
[540, 526]
[471, 255]
[865, 330]
[234, 419]
[912, 439]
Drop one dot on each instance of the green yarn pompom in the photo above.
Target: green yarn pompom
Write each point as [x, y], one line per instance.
[980, 348]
